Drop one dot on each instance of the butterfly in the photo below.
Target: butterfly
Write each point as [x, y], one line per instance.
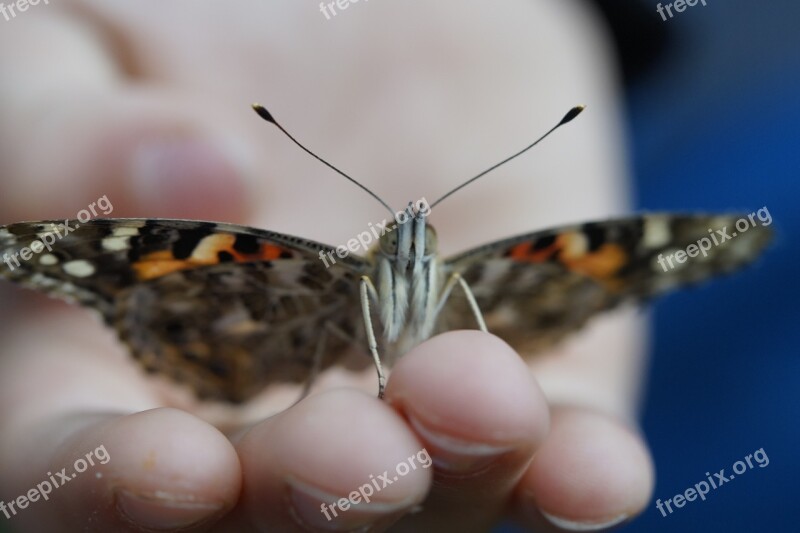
[229, 309]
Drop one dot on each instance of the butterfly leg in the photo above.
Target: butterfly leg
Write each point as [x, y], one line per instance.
[367, 291]
[473, 304]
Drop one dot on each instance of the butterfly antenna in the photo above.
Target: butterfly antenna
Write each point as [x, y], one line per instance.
[572, 113]
[266, 115]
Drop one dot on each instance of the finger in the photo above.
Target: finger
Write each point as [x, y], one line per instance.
[473, 403]
[330, 463]
[58, 401]
[143, 147]
[591, 474]
[155, 470]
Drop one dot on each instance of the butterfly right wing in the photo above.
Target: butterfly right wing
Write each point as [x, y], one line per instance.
[535, 289]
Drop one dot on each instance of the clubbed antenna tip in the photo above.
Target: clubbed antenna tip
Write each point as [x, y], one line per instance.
[263, 113]
[572, 113]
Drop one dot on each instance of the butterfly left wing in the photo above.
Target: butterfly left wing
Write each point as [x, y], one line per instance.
[534, 289]
[225, 309]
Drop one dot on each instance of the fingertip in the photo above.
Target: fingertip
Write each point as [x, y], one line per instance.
[153, 470]
[472, 386]
[474, 405]
[322, 455]
[592, 473]
[162, 469]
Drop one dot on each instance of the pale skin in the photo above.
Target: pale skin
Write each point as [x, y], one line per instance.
[150, 106]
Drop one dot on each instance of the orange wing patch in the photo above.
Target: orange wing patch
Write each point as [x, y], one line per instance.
[526, 251]
[571, 249]
[159, 264]
[602, 264]
[211, 250]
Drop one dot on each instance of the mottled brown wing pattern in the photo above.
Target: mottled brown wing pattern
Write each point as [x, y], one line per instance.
[225, 309]
[231, 329]
[535, 289]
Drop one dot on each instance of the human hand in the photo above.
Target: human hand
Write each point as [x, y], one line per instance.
[151, 110]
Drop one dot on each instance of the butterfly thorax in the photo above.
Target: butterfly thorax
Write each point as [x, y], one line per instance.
[407, 280]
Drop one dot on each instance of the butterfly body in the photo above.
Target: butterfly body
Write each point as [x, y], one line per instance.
[408, 277]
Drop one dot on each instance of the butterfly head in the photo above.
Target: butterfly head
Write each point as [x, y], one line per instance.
[411, 242]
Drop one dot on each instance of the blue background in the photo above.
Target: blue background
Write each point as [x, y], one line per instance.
[715, 126]
[718, 128]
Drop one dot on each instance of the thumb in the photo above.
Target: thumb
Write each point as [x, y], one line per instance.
[142, 150]
[145, 148]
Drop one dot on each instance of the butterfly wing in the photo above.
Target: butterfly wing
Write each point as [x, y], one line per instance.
[534, 289]
[225, 309]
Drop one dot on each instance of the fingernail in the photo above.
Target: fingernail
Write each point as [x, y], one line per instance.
[571, 525]
[161, 510]
[315, 508]
[456, 455]
[192, 176]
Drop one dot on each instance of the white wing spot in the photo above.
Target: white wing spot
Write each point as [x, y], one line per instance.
[78, 268]
[125, 231]
[48, 260]
[576, 245]
[115, 244]
[656, 232]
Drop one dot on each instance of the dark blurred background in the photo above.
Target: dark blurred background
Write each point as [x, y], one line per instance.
[714, 125]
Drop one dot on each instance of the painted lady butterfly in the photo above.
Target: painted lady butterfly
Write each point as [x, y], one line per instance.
[229, 309]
